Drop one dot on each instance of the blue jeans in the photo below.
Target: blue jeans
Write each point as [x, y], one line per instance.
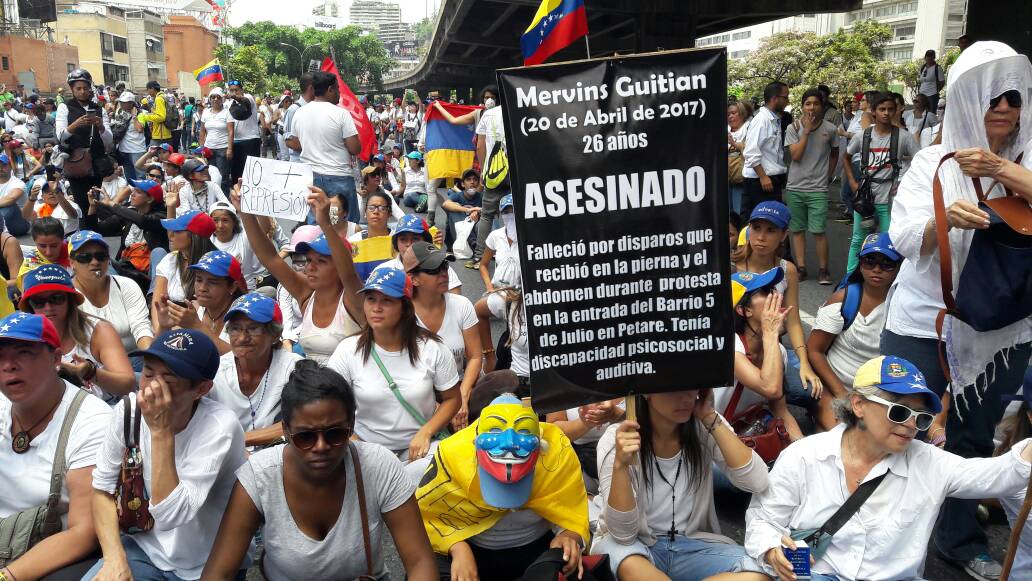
[343, 186]
[12, 219]
[128, 163]
[412, 199]
[139, 564]
[683, 559]
[735, 192]
[846, 193]
[219, 160]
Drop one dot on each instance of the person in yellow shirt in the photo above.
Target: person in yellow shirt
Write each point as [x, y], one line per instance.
[48, 235]
[156, 116]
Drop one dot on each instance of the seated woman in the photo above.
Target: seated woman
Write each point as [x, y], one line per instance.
[887, 406]
[48, 199]
[404, 377]
[218, 282]
[409, 230]
[252, 375]
[506, 305]
[759, 356]
[658, 518]
[308, 495]
[115, 299]
[188, 237]
[229, 237]
[848, 327]
[144, 240]
[92, 354]
[501, 246]
[39, 413]
[521, 512]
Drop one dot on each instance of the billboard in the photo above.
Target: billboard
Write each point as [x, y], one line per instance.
[42, 10]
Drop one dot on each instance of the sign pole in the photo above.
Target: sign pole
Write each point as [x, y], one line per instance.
[631, 414]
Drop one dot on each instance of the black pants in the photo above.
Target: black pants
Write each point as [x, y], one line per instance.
[242, 149]
[754, 193]
[75, 571]
[500, 564]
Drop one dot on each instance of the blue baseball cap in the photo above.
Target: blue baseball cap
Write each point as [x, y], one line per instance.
[379, 157]
[257, 307]
[743, 283]
[75, 241]
[149, 187]
[4, 159]
[414, 155]
[21, 326]
[196, 221]
[48, 278]
[221, 263]
[166, 147]
[896, 375]
[188, 353]
[506, 202]
[772, 211]
[392, 282]
[410, 223]
[320, 245]
[880, 243]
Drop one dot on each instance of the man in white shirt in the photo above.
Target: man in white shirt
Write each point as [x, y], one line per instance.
[306, 96]
[328, 139]
[191, 447]
[765, 172]
[490, 131]
[931, 79]
[247, 136]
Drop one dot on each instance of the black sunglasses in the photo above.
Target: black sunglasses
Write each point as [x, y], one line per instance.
[86, 257]
[56, 299]
[334, 437]
[1013, 99]
[884, 263]
[434, 271]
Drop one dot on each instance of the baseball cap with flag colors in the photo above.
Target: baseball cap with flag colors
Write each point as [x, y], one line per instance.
[48, 278]
[743, 283]
[257, 307]
[149, 187]
[896, 375]
[31, 328]
[194, 221]
[392, 282]
[221, 263]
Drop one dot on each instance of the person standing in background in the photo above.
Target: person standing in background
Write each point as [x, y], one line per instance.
[247, 137]
[155, 118]
[931, 79]
[765, 172]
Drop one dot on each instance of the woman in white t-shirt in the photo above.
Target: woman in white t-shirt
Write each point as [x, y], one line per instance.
[920, 117]
[407, 418]
[307, 496]
[759, 356]
[217, 283]
[506, 305]
[838, 349]
[216, 131]
[415, 182]
[34, 405]
[450, 316]
[229, 237]
[252, 375]
[502, 247]
[189, 240]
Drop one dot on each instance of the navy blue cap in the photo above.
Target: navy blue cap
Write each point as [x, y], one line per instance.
[880, 243]
[188, 353]
[772, 211]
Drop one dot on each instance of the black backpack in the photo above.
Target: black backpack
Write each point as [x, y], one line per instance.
[240, 109]
[171, 115]
[863, 197]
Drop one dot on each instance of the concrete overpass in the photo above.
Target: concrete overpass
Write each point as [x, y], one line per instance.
[473, 38]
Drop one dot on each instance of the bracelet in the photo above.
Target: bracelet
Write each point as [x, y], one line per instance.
[91, 371]
[487, 351]
[799, 347]
[713, 424]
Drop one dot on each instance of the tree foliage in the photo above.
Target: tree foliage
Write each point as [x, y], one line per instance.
[846, 61]
[362, 58]
[908, 72]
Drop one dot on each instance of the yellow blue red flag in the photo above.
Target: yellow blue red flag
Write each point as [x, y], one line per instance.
[556, 24]
[449, 148]
[369, 253]
[209, 73]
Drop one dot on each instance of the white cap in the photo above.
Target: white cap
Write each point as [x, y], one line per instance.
[216, 91]
[127, 97]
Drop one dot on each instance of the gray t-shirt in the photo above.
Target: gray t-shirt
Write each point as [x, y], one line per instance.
[810, 174]
[341, 555]
[878, 160]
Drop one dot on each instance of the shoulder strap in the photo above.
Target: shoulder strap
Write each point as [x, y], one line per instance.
[894, 153]
[865, 150]
[58, 473]
[362, 508]
[847, 510]
[412, 411]
[732, 404]
[851, 303]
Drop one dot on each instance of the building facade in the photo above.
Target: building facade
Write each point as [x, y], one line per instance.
[36, 63]
[370, 14]
[328, 8]
[188, 47]
[146, 48]
[390, 32]
[99, 32]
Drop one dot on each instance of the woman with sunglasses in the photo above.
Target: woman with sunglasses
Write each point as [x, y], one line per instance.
[887, 538]
[144, 240]
[216, 133]
[218, 282]
[849, 325]
[306, 497]
[404, 377]
[189, 238]
[448, 315]
[252, 375]
[988, 128]
[92, 354]
[110, 297]
[326, 291]
[292, 315]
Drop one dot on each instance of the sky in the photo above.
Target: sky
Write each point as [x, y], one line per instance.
[242, 11]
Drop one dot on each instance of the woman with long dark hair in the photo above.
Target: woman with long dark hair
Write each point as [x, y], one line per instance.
[658, 518]
[404, 377]
[188, 237]
[218, 281]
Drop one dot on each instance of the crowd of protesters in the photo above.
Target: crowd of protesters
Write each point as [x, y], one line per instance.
[217, 398]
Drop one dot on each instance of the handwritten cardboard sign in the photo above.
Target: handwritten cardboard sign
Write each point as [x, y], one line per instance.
[275, 188]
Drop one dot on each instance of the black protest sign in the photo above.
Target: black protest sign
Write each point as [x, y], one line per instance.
[618, 169]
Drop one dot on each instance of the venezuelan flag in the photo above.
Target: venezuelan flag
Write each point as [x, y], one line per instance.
[449, 148]
[556, 24]
[209, 73]
[369, 253]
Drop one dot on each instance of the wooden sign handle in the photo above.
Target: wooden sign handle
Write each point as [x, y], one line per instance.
[631, 408]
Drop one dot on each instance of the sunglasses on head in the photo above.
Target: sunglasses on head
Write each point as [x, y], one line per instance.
[1013, 99]
[871, 261]
[86, 257]
[434, 271]
[56, 299]
[307, 439]
[901, 414]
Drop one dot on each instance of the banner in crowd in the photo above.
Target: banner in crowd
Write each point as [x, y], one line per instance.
[349, 101]
[449, 148]
[275, 188]
[618, 169]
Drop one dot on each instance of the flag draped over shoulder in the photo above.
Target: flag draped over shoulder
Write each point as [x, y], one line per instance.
[348, 101]
[556, 24]
[449, 148]
[454, 510]
[209, 73]
[369, 253]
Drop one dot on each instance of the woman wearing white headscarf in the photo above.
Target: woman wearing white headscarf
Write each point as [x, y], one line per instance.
[987, 128]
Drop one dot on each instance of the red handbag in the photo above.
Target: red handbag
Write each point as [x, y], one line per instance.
[756, 426]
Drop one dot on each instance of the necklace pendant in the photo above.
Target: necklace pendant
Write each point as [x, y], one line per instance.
[20, 443]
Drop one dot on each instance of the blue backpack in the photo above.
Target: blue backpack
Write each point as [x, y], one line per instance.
[851, 302]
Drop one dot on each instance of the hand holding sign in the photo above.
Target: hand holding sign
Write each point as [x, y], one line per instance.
[275, 188]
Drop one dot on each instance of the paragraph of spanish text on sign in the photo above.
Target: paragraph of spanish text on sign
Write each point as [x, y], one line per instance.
[619, 176]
